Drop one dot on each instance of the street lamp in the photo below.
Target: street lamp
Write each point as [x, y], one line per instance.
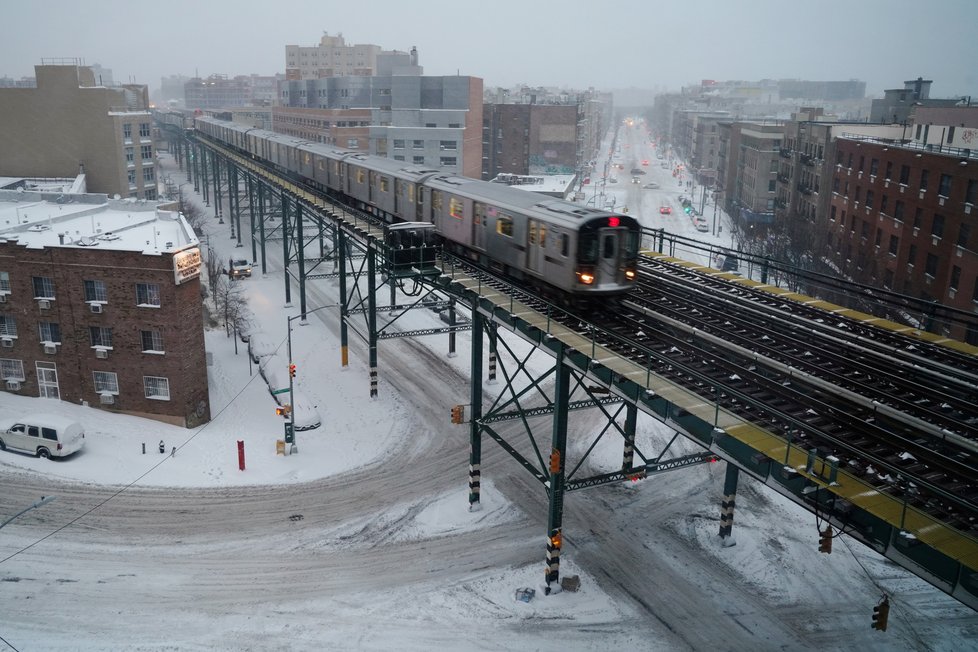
[290, 425]
[43, 501]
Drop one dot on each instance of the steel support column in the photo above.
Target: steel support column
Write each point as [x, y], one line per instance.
[558, 453]
[451, 334]
[249, 180]
[344, 335]
[727, 506]
[631, 414]
[492, 353]
[216, 176]
[300, 246]
[261, 225]
[285, 246]
[372, 317]
[475, 414]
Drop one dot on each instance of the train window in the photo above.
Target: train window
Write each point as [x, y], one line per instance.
[361, 175]
[436, 202]
[384, 184]
[321, 166]
[455, 207]
[504, 226]
[532, 236]
[410, 192]
[543, 235]
[587, 248]
[306, 158]
[609, 246]
[564, 244]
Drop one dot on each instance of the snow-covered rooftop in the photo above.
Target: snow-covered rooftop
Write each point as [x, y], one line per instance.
[37, 220]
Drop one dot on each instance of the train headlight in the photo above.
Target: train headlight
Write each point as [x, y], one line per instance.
[630, 274]
[585, 275]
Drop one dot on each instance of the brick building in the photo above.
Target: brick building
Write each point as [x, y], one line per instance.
[100, 304]
[903, 216]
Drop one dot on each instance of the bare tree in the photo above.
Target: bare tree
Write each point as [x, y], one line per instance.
[193, 213]
[229, 301]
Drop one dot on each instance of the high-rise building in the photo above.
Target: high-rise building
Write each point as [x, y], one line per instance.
[430, 121]
[69, 124]
[332, 57]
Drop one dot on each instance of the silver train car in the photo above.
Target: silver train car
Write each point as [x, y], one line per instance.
[567, 251]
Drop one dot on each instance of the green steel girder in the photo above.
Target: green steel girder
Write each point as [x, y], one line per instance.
[425, 331]
[548, 409]
[639, 472]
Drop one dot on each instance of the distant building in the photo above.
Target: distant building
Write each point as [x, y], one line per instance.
[100, 305]
[216, 92]
[530, 139]
[69, 124]
[431, 121]
[172, 91]
[898, 103]
[332, 57]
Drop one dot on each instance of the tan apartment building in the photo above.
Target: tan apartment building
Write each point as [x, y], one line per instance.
[68, 125]
[332, 57]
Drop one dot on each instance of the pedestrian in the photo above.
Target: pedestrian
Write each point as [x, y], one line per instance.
[162, 447]
[173, 451]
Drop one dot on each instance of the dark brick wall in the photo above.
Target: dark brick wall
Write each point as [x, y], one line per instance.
[179, 319]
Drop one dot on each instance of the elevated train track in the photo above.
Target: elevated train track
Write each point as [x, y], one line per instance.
[870, 424]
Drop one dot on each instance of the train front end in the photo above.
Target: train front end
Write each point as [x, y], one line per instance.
[607, 255]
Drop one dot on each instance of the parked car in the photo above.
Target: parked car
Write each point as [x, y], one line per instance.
[665, 210]
[651, 186]
[637, 171]
[240, 268]
[44, 435]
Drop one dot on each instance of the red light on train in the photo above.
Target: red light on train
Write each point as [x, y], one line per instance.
[614, 221]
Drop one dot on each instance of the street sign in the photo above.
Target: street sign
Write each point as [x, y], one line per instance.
[289, 433]
[280, 391]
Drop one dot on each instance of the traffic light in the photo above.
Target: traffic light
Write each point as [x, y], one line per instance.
[283, 410]
[825, 540]
[292, 370]
[457, 412]
[880, 614]
[555, 461]
[556, 539]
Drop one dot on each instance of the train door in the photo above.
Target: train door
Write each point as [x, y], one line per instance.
[398, 197]
[608, 256]
[534, 250]
[420, 205]
[479, 226]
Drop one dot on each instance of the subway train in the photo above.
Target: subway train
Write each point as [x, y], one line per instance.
[566, 251]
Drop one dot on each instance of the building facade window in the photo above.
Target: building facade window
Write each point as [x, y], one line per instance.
[132, 178]
[8, 326]
[5, 282]
[49, 331]
[148, 174]
[937, 226]
[146, 152]
[144, 130]
[106, 382]
[964, 233]
[12, 369]
[955, 278]
[100, 336]
[152, 341]
[924, 178]
[971, 194]
[944, 187]
[147, 294]
[156, 388]
[448, 160]
[43, 287]
[417, 144]
[448, 144]
[418, 160]
[398, 143]
[930, 267]
[894, 245]
[127, 132]
[130, 155]
[905, 175]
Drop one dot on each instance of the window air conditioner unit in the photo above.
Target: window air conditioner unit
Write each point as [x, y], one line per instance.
[7, 343]
[13, 384]
[106, 399]
[102, 354]
[3, 297]
[96, 308]
[50, 348]
[44, 304]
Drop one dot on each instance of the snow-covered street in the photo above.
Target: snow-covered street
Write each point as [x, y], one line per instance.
[363, 540]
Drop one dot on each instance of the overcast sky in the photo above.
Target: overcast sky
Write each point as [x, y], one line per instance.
[572, 43]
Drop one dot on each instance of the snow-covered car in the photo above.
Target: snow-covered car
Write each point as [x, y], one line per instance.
[239, 268]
